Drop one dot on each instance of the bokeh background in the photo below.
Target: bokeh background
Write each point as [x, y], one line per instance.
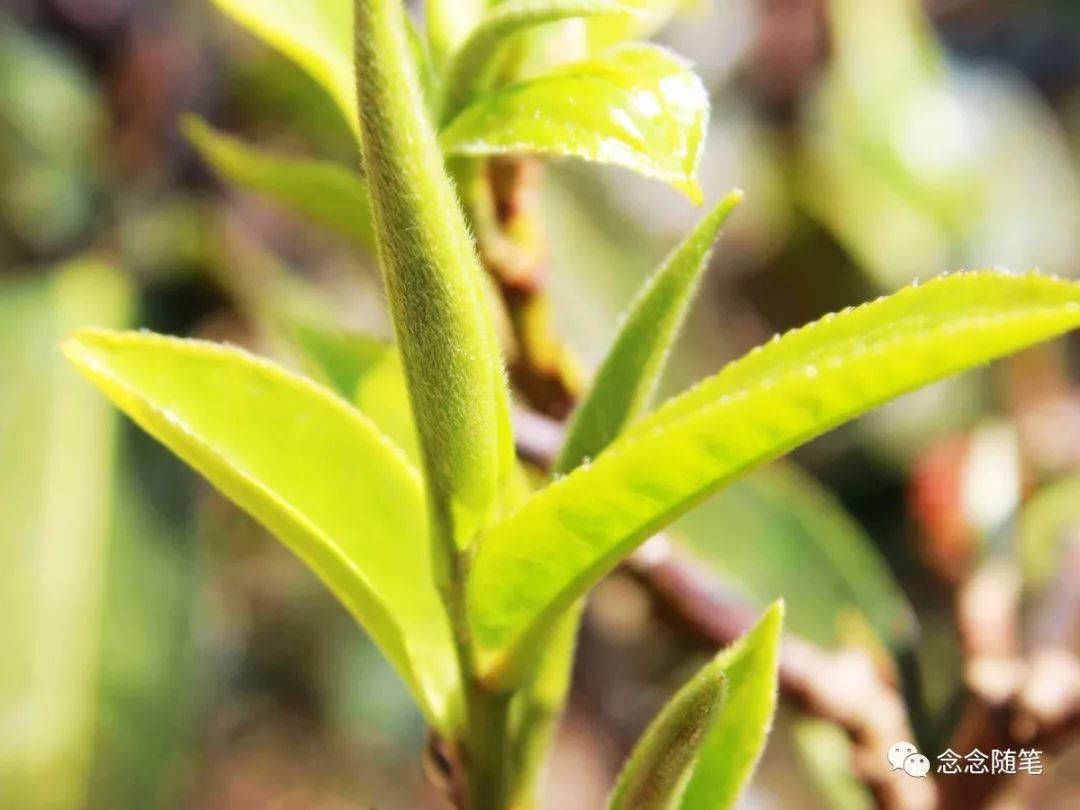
[160, 651]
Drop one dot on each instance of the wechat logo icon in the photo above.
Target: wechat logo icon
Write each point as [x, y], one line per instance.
[904, 756]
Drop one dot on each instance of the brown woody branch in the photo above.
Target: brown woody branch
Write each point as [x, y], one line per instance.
[1017, 699]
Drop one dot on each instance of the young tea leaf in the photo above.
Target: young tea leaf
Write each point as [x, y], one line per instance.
[306, 465]
[434, 285]
[321, 191]
[534, 564]
[627, 378]
[638, 106]
[661, 763]
[736, 739]
[701, 749]
[473, 62]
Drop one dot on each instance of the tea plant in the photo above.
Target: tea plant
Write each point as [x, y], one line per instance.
[425, 529]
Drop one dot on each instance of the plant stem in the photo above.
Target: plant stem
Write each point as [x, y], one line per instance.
[434, 285]
[487, 749]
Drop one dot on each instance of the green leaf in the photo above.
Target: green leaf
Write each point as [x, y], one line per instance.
[449, 23]
[778, 532]
[472, 64]
[367, 372]
[534, 564]
[315, 34]
[313, 470]
[321, 191]
[626, 379]
[57, 442]
[339, 357]
[381, 394]
[737, 738]
[639, 107]
[426, 73]
[702, 748]
[435, 287]
[656, 774]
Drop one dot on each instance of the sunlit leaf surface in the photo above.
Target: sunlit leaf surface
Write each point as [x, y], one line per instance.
[449, 22]
[309, 467]
[639, 107]
[534, 564]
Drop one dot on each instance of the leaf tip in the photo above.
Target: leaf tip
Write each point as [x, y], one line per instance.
[692, 189]
[78, 346]
[774, 614]
[84, 349]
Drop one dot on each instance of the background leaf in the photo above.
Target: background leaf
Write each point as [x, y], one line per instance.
[534, 564]
[307, 466]
[737, 737]
[339, 357]
[324, 192]
[627, 377]
[56, 493]
[639, 107]
[778, 533]
[316, 34]
[382, 395]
